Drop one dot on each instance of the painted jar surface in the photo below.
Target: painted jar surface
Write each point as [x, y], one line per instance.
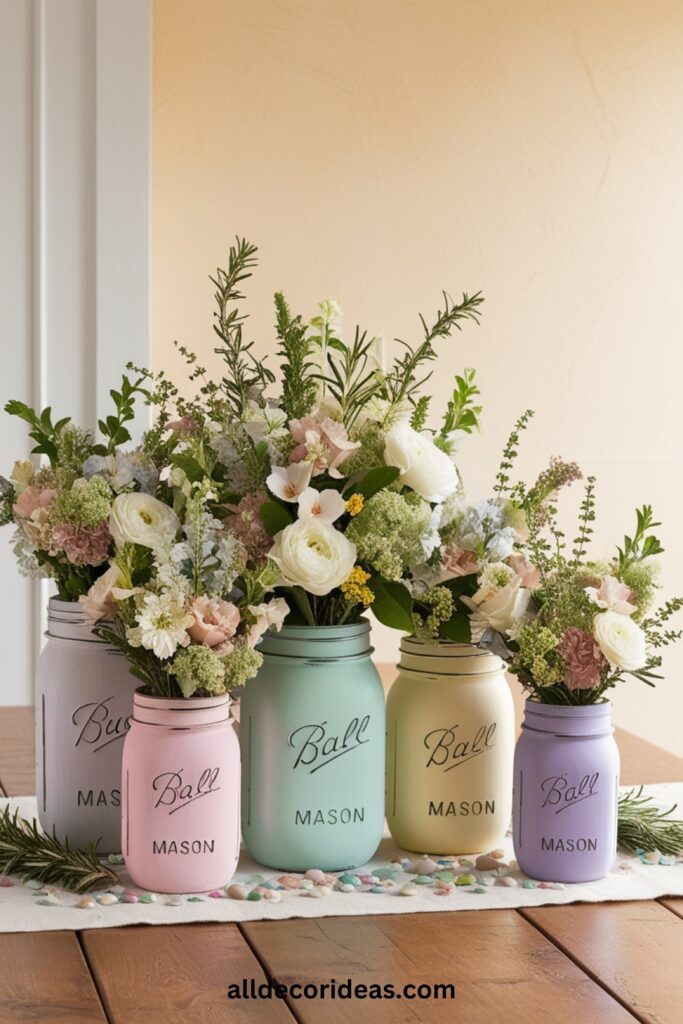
[450, 742]
[566, 790]
[180, 821]
[84, 700]
[312, 731]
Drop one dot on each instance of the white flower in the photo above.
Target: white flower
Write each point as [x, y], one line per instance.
[423, 466]
[431, 537]
[288, 482]
[162, 626]
[329, 315]
[612, 595]
[269, 614]
[21, 475]
[264, 422]
[326, 505]
[499, 611]
[142, 519]
[621, 640]
[313, 555]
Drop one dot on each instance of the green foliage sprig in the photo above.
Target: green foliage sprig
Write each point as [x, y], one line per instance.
[462, 414]
[510, 453]
[642, 826]
[298, 383]
[44, 432]
[37, 856]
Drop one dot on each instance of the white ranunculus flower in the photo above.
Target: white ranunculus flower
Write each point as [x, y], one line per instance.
[142, 519]
[312, 554]
[424, 467]
[499, 611]
[621, 640]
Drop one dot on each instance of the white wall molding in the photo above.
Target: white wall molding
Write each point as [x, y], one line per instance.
[75, 96]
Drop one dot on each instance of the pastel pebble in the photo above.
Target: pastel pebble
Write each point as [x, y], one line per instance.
[465, 880]
[117, 889]
[445, 860]
[378, 889]
[652, 857]
[385, 873]
[625, 866]
[254, 896]
[273, 897]
[348, 879]
[487, 863]
[409, 889]
[86, 903]
[289, 881]
[215, 895]
[441, 892]
[237, 892]
[262, 889]
[424, 866]
[316, 875]
[666, 859]
[369, 879]
[130, 897]
[346, 887]
[190, 899]
[489, 880]
[545, 885]
[422, 879]
[529, 883]
[507, 881]
[107, 899]
[444, 887]
[479, 890]
[444, 876]
[557, 885]
[115, 858]
[32, 884]
[497, 854]
[305, 883]
[174, 900]
[464, 862]
[48, 902]
[315, 892]
[255, 879]
[5, 882]
[148, 897]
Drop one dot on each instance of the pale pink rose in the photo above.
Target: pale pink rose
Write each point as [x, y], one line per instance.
[527, 572]
[583, 662]
[325, 445]
[99, 602]
[327, 505]
[215, 623]
[499, 611]
[32, 499]
[456, 561]
[613, 596]
[82, 545]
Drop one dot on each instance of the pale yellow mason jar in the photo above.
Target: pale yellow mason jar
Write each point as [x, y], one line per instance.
[450, 744]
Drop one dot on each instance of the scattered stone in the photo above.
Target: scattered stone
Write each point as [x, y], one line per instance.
[652, 857]
[86, 903]
[529, 883]
[174, 900]
[148, 897]
[479, 889]
[237, 891]
[289, 881]
[215, 895]
[305, 883]
[195, 899]
[48, 901]
[130, 897]
[272, 896]
[255, 879]
[32, 884]
[489, 880]
[117, 889]
[624, 865]
[5, 882]
[254, 896]
[315, 893]
[487, 863]
[667, 859]
[422, 879]
[444, 876]
[369, 879]
[349, 879]
[378, 889]
[465, 862]
[497, 854]
[316, 876]
[443, 888]
[107, 899]
[544, 885]
[557, 885]
[115, 858]
[445, 860]
[424, 866]
[465, 880]
[409, 889]
[507, 881]
[345, 887]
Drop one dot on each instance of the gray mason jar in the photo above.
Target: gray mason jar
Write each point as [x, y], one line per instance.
[84, 700]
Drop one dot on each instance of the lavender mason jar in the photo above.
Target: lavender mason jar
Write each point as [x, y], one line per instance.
[84, 700]
[566, 783]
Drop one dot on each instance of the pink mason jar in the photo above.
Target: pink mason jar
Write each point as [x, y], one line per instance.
[180, 808]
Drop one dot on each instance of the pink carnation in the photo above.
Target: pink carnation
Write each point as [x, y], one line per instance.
[583, 662]
[33, 498]
[82, 545]
[247, 525]
[215, 623]
[457, 561]
[326, 444]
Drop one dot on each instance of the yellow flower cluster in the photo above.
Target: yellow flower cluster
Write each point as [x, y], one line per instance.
[354, 587]
[355, 505]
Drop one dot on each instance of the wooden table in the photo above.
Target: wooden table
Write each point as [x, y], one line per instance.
[608, 963]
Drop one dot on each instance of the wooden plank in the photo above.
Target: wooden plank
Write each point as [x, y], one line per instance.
[674, 904]
[44, 977]
[634, 950]
[17, 751]
[176, 973]
[500, 965]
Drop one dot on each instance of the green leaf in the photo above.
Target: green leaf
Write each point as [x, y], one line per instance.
[457, 629]
[189, 465]
[375, 480]
[275, 517]
[393, 605]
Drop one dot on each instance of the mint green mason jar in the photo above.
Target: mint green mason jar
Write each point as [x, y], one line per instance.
[312, 728]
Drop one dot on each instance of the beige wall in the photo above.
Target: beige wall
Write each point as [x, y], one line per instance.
[378, 151]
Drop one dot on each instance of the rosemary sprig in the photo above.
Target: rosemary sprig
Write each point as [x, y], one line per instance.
[35, 855]
[642, 826]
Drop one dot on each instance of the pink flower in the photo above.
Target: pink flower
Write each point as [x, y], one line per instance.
[82, 545]
[613, 596]
[185, 425]
[583, 662]
[326, 445]
[247, 525]
[33, 498]
[456, 561]
[527, 572]
[215, 623]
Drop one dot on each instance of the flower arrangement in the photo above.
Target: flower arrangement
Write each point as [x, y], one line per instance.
[335, 480]
[60, 510]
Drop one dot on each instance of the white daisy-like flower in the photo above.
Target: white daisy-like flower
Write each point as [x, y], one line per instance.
[162, 626]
